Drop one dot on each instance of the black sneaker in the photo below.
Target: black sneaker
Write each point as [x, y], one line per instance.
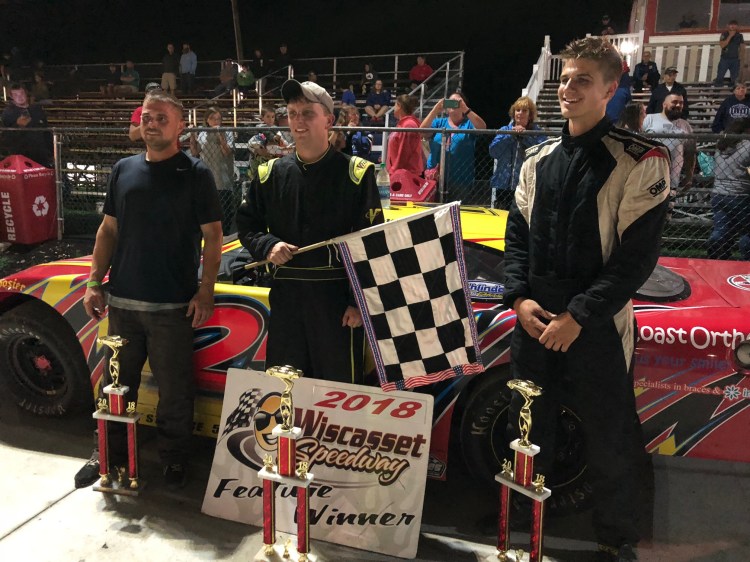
[623, 553]
[175, 476]
[89, 472]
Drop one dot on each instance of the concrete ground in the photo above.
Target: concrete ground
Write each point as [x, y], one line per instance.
[701, 510]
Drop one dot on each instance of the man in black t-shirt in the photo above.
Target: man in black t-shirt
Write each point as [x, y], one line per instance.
[159, 206]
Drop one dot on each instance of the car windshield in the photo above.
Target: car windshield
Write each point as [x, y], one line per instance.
[664, 285]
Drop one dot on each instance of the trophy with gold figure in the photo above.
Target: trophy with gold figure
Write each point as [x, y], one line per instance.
[518, 477]
[286, 471]
[113, 409]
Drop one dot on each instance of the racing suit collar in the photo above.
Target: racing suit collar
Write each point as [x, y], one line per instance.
[308, 165]
[589, 138]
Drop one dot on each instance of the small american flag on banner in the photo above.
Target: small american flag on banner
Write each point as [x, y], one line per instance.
[242, 415]
[409, 280]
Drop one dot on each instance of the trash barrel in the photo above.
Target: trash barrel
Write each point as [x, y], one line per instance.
[28, 201]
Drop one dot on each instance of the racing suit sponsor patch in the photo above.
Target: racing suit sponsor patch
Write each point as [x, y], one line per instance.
[357, 168]
[658, 187]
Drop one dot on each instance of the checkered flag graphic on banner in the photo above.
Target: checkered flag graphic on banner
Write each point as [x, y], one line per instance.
[243, 413]
[409, 279]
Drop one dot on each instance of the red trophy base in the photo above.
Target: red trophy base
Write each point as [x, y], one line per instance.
[284, 548]
[126, 482]
[520, 480]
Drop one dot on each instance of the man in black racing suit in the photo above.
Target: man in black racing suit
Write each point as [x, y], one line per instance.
[303, 198]
[582, 237]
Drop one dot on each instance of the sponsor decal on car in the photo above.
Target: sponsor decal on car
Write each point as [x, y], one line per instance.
[486, 290]
[740, 281]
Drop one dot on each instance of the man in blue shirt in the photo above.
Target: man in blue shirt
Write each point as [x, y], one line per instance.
[188, 66]
[736, 106]
[378, 102]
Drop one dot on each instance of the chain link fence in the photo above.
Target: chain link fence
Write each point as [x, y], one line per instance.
[710, 216]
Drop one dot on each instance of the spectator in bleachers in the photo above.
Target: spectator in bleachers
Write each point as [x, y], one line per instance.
[188, 67]
[257, 63]
[681, 151]
[730, 195]
[170, 67]
[645, 73]
[216, 149]
[265, 144]
[337, 139]
[622, 96]
[606, 26]
[405, 149]
[130, 80]
[736, 106]
[40, 89]
[20, 114]
[312, 76]
[111, 81]
[632, 117]
[245, 79]
[348, 97]
[369, 76]
[669, 86]
[282, 120]
[227, 77]
[419, 72]
[378, 102]
[459, 165]
[134, 132]
[283, 58]
[509, 151]
[732, 43]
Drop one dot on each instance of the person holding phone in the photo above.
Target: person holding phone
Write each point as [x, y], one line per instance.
[21, 114]
[459, 164]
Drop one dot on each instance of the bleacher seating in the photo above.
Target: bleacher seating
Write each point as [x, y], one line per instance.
[704, 102]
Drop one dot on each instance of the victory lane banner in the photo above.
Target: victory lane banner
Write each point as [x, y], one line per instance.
[368, 451]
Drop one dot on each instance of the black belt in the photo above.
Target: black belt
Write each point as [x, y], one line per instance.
[310, 273]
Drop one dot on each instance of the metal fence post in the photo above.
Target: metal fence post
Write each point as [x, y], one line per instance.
[57, 148]
[395, 73]
[447, 77]
[335, 67]
[443, 151]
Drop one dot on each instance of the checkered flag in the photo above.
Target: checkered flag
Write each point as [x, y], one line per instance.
[409, 280]
[243, 413]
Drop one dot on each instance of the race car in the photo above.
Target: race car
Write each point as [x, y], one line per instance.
[690, 371]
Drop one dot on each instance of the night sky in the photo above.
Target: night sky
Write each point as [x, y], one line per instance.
[501, 38]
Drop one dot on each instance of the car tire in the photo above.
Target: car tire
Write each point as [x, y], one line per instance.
[484, 444]
[42, 362]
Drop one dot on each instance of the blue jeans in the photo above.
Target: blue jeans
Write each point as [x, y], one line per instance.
[732, 65]
[730, 223]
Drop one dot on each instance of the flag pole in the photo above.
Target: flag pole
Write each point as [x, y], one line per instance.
[360, 233]
[300, 251]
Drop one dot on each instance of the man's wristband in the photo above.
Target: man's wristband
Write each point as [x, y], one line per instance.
[467, 112]
[90, 284]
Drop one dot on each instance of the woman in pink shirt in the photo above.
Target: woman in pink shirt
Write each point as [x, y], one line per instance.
[405, 149]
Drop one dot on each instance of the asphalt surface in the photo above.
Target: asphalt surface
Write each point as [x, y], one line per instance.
[700, 511]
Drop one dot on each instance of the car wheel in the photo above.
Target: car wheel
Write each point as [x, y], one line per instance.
[485, 445]
[42, 362]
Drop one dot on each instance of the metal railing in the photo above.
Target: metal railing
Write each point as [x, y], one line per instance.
[539, 72]
[710, 203]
